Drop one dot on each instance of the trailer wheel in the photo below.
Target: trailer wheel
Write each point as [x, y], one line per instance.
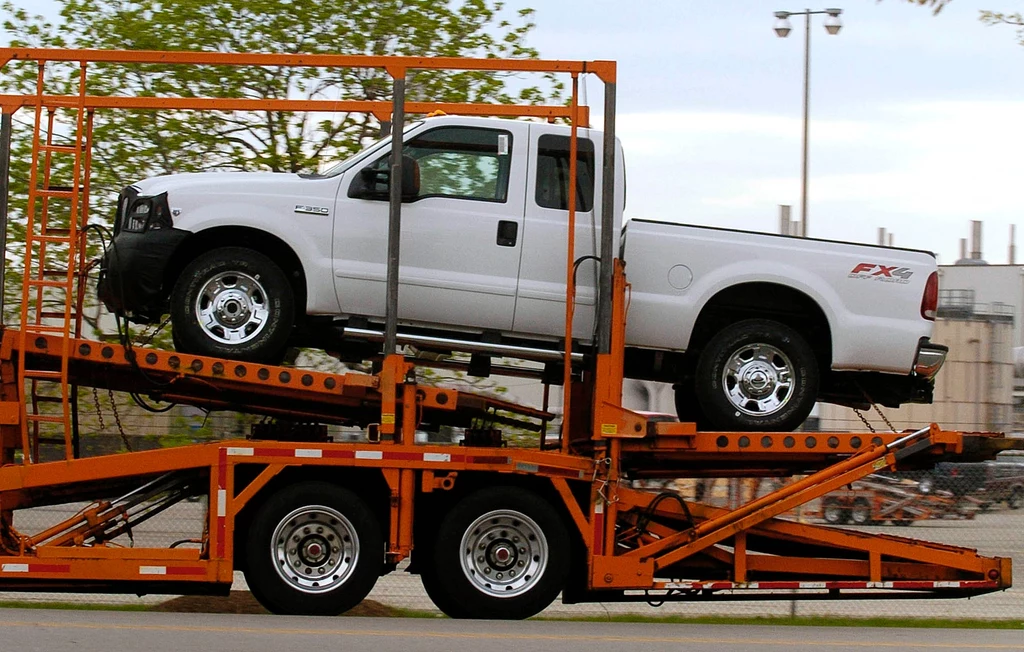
[834, 513]
[860, 514]
[313, 549]
[233, 303]
[503, 552]
[757, 375]
[1016, 499]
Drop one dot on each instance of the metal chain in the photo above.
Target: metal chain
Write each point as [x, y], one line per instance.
[145, 338]
[877, 409]
[117, 418]
[864, 419]
[892, 428]
[99, 411]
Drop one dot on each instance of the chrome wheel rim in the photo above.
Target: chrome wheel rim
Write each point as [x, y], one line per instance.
[315, 549]
[758, 379]
[232, 307]
[504, 553]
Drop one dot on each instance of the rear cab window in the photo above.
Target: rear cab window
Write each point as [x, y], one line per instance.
[553, 173]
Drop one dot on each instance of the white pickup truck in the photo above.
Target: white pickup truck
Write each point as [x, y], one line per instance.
[752, 328]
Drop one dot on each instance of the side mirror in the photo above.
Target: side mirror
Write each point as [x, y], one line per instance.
[372, 183]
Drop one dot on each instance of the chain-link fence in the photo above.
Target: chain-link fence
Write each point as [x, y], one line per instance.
[975, 505]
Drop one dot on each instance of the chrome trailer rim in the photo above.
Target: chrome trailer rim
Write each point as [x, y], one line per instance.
[504, 553]
[315, 549]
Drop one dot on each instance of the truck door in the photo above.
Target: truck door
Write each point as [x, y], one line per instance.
[540, 305]
[461, 235]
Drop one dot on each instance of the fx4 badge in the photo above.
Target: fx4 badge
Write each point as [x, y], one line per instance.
[312, 210]
[883, 273]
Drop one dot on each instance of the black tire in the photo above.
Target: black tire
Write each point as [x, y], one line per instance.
[233, 303]
[757, 375]
[833, 512]
[860, 514]
[339, 550]
[505, 531]
[687, 408]
[1016, 499]
[903, 522]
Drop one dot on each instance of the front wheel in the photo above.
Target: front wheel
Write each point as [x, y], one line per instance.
[313, 549]
[502, 552]
[861, 512]
[1016, 499]
[757, 375]
[233, 303]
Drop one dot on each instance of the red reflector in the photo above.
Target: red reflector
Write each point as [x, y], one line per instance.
[930, 300]
[993, 574]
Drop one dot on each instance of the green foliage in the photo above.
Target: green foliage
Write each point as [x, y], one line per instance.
[998, 18]
[129, 145]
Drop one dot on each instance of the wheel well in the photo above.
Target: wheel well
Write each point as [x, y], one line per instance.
[240, 236]
[771, 301]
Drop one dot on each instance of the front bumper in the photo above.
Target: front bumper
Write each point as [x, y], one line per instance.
[929, 358]
[133, 272]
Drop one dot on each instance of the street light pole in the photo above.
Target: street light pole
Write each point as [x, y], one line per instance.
[782, 29]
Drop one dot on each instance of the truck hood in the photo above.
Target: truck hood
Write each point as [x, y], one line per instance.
[252, 183]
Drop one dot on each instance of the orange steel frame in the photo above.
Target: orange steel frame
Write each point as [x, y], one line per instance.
[635, 541]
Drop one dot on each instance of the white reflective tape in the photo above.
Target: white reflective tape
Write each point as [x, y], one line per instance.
[240, 452]
[599, 507]
[152, 570]
[437, 457]
[14, 568]
[812, 585]
[308, 452]
[222, 502]
[947, 585]
[369, 455]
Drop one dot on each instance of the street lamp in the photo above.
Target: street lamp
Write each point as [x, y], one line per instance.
[783, 28]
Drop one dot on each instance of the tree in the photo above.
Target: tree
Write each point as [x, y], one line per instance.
[132, 145]
[988, 17]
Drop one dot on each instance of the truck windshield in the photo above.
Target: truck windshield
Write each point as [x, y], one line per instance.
[343, 166]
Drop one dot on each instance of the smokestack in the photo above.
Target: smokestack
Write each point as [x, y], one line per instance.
[881, 236]
[784, 223]
[1013, 244]
[890, 239]
[976, 239]
[963, 248]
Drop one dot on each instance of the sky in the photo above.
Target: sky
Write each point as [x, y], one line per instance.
[915, 118]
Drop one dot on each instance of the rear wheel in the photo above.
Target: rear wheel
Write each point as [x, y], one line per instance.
[233, 303]
[757, 375]
[1016, 499]
[313, 549]
[834, 513]
[861, 512]
[502, 552]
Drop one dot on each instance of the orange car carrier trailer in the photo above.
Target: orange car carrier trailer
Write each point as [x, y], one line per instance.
[493, 531]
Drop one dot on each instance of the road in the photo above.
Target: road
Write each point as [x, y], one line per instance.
[99, 631]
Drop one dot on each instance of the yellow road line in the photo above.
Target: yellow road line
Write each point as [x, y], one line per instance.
[288, 631]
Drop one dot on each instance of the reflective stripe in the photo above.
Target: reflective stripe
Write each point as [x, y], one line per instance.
[369, 455]
[308, 452]
[240, 452]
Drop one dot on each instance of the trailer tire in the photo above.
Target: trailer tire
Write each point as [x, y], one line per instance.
[502, 552]
[337, 557]
[860, 514]
[833, 512]
[757, 375]
[1016, 499]
[234, 303]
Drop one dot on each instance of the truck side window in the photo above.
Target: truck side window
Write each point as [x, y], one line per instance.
[553, 173]
[461, 162]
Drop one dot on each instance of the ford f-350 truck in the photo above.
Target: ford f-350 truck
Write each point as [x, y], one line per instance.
[752, 328]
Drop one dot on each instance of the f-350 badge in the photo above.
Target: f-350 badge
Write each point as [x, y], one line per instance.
[312, 210]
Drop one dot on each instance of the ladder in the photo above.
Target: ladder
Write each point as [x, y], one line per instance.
[54, 260]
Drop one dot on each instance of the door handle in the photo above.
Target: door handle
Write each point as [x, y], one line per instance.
[508, 233]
